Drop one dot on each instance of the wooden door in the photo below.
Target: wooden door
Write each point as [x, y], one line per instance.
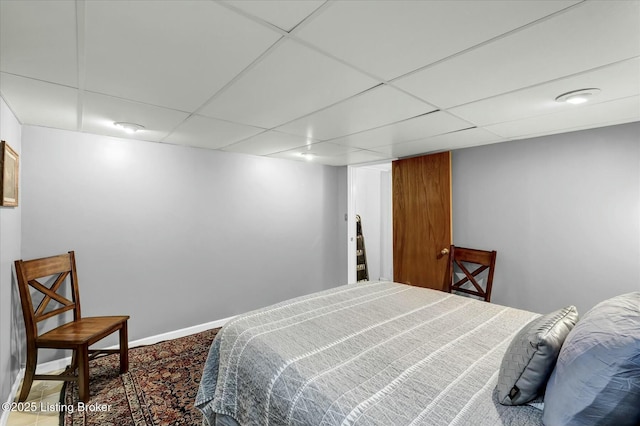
[422, 220]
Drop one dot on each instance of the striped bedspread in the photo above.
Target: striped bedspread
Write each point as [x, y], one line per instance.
[364, 354]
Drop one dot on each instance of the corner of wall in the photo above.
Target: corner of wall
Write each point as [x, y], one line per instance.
[10, 247]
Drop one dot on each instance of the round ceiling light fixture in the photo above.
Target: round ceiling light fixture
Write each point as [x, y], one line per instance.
[577, 97]
[128, 127]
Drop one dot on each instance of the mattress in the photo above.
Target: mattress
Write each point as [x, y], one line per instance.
[378, 353]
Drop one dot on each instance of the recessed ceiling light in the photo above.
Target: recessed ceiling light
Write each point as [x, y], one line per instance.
[307, 156]
[577, 97]
[128, 127]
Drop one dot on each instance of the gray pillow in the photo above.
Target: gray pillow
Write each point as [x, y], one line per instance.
[531, 356]
[596, 380]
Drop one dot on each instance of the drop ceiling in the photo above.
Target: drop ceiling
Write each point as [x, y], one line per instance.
[348, 82]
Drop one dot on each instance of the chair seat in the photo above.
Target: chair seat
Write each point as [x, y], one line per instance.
[85, 330]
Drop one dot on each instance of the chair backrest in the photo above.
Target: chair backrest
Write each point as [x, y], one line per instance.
[58, 268]
[465, 268]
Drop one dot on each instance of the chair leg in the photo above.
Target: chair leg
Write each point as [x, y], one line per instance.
[74, 360]
[83, 373]
[124, 349]
[29, 373]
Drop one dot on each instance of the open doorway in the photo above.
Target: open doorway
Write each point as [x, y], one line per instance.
[370, 198]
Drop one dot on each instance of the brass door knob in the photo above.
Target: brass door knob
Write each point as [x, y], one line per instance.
[444, 251]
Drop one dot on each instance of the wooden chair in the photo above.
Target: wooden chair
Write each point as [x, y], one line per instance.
[76, 335]
[472, 263]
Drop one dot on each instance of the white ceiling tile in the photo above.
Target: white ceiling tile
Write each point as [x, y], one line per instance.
[100, 112]
[315, 152]
[620, 111]
[284, 14]
[614, 81]
[330, 154]
[38, 40]
[391, 38]
[354, 157]
[326, 148]
[39, 103]
[211, 133]
[454, 140]
[269, 142]
[415, 128]
[587, 36]
[374, 108]
[172, 54]
[290, 82]
[577, 128]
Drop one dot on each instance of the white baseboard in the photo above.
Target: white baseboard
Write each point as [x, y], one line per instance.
[179, 333]
[14, 390]
[61, 364]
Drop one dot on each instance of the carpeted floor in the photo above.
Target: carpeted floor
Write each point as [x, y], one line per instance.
[159, 388]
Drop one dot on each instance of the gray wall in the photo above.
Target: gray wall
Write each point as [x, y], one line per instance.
[372, 193]
[562, 211]
[343, 226]
[178, 236]
[10, 131]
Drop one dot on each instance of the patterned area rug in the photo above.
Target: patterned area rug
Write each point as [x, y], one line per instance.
[159, 388]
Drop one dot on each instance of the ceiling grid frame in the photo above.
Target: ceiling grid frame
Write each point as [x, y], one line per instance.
[25, 91]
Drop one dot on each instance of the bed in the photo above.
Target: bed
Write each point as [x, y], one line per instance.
[378, 353]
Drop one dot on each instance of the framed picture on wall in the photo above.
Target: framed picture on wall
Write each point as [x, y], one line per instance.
[8, 176]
